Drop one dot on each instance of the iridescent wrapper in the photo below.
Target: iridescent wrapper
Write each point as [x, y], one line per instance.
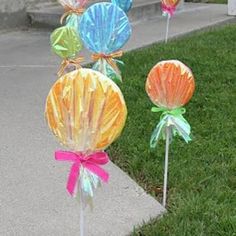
[65, 42]
[125, 5]
[170, 85]
[103, 36]
[86, 112]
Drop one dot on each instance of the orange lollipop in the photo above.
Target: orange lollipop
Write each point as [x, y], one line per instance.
[168, 8]
[170, 84]
[86, 112]
[170, 3]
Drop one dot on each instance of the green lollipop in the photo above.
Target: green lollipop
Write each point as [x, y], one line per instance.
[65, 42]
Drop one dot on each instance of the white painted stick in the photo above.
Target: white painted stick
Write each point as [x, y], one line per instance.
[167, 28]
[102, 66]
[168, 130]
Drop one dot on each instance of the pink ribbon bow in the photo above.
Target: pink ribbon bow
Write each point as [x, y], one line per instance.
[90, 162]
[82, 2]
[168, 9]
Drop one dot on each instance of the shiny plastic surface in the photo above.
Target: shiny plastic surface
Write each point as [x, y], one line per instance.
[73, 3]
[106, 69]
[85, 110]
[170, 3]
[170, 84]
[65, 42]
[104, 28]
[73, 21]
[125, 5]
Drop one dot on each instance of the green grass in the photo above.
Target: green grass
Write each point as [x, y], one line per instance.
[218, 1]
[202, 174]
[210, 1]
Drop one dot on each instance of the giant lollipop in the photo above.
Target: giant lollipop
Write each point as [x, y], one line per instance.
[170, 85]
[168, 8]
[86, 112]
[104, 29]
[72, 9]
[66, 44]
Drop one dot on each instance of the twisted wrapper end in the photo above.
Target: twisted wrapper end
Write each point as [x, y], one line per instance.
[71, 10]
[168, 10]
[92, 163]
[173, 119]
[109, 58]
[66, 62]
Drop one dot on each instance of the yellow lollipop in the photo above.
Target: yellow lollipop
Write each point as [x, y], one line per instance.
[86, 111]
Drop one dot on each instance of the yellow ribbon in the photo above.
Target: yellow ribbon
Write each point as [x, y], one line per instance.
[109, 58]
[66, 62]
[70, 10]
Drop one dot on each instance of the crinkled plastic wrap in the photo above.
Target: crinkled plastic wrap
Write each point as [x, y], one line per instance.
[73, 10]
[86, 112]
[73, 20]
[73, 3]
[104, 29]
[170, 3]
[106, 69]
[170, 85]
[65, 42]
[125, 5]
[169, 7]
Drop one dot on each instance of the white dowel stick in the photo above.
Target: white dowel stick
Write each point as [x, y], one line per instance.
[102, 66]
[166, 165]
[81, 215]
[167, 28]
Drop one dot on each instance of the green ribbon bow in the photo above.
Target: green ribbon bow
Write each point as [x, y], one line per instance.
[174, 119]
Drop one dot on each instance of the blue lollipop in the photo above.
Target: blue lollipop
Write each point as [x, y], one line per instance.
[125, 5]
[104, 29]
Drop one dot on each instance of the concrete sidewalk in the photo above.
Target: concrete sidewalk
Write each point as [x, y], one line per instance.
[48, 14]
[33, 199]
[194, 17]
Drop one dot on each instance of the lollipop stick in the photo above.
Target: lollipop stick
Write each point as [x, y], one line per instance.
[166, 165]
[81, 214]
[167, 28]
[102, 66]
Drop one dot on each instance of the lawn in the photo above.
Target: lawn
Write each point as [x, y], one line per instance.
[209, 1]
[218, 1]
[202, 179]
